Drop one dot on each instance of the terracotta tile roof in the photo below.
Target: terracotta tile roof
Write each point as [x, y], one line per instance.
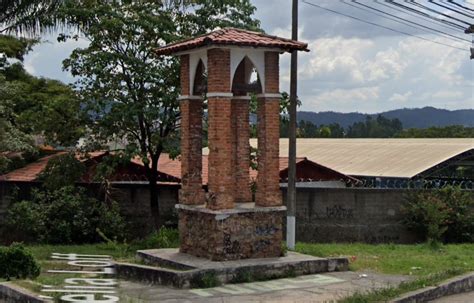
[233, 36]
[170, 169]
[173, 167]
[30, 172]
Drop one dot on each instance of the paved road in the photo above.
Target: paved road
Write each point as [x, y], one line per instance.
[327, 287]
[461, 298]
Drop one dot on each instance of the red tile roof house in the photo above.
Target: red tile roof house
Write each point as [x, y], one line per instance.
[170, 171]
[130, 183]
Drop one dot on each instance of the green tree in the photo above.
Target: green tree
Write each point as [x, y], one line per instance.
[380, 127]
[324, 132]
[132, 92]
[32, 106]
[451, 131]
[337, 131]
[29, 16]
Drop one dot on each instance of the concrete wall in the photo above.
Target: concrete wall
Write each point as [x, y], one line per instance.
[350, 215]
[133, 200]
[323, 214]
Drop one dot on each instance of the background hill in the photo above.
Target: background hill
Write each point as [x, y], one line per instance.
[411, 118]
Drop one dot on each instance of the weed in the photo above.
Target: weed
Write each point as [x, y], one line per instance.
[205, 280]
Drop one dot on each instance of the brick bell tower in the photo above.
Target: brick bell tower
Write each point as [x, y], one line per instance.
[227, 66]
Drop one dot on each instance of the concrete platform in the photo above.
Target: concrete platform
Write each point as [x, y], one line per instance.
[172, 268]
[329, 287]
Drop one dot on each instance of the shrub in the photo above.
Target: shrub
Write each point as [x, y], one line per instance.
[66, 215]
[61, 171]
[163, 238]
[205, 280]
[17, 262]
[441, 215]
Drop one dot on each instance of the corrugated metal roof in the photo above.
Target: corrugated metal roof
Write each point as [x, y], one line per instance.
[399, 158]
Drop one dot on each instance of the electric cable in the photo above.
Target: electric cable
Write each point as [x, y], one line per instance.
[457, 26]
[451, 9]
[435, 11]
[460, 5]
[382, 26]
[405, 20]
[409, 13]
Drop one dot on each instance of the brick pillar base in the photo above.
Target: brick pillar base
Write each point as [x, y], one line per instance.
[268, 178]
[221, 182]
[191, 152]
[241, 137]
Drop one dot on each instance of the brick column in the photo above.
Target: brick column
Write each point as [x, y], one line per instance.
[191, 141]
[241, 137]
[221, 183]
[268, 187]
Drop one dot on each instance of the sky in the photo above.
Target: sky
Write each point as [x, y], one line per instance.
[352, 66]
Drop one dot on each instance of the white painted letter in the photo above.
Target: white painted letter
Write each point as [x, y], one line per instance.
[98, 282]
[90, 263]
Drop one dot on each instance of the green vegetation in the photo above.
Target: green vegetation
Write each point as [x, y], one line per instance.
[379, 127]
[119, 251]
[417, 259]
[441, 215]
[32, 106]
[205, 280]
[426, 264]
[129, 90]
[164, 237]
[307, 129]
[385, 294]
[452, 131]
[17, 262]
[65, 215]
[61, 171]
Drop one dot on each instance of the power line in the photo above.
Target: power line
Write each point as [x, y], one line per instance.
[401, 22]
[435, 11]
[460, 5]
[381, 26]
[452, 24]
[426, 19]
[451, 9]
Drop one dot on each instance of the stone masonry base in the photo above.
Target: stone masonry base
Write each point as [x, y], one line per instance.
[243, 232]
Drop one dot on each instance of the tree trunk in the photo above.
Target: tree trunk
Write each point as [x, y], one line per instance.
[154, 204]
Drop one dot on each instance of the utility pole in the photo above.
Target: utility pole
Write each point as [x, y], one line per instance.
[470, 30]
[291, 198]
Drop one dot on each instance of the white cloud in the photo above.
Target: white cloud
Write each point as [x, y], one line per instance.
[401, 98]
[346, 96]
[447, 95]
[350, 67]
[29, 63]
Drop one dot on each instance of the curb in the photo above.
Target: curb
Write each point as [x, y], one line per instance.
[456, 285]
[11, 293]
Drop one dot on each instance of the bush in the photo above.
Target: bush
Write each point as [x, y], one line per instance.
[61, 171]
[67, 215]
[441, 215]
[17, 262]
[163, 238]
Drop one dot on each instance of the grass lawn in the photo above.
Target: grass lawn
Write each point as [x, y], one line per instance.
[427, 265]
[419, 259]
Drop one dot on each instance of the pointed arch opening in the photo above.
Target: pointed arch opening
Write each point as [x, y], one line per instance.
[246, 79]
[200, 79]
